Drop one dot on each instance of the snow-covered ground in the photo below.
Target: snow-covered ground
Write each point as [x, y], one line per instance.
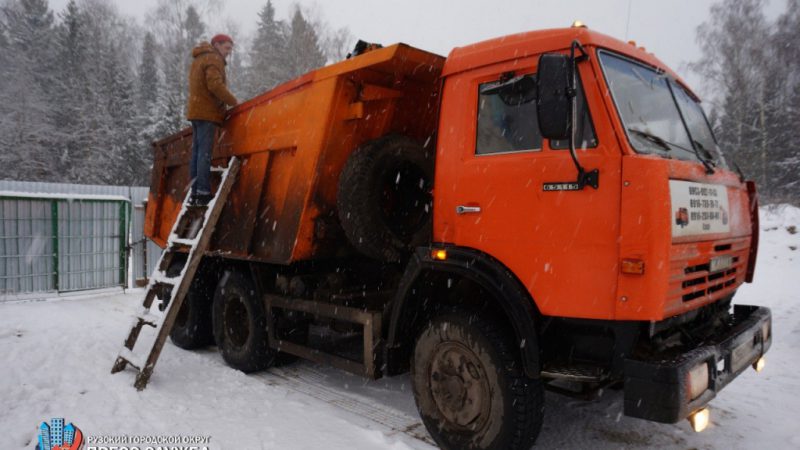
[55, 358]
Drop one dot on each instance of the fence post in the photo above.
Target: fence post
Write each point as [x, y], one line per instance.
[54, 228]
[122, 246]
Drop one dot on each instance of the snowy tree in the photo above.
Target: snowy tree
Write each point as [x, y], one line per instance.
[337, 43]
[26, 128]
[268, 58]
[148, 88]
[236, 72]
[70, 109]
[193, 26]
[86, 91]
[148, 75]
[752, 70]
[786, 119]
[179, 28]
[733, 43]
[303, 47]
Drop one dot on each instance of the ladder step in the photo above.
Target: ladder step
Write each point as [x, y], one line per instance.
[186, 242]
[149, 319]
[219, 169]
[162, 281]
[132, 359]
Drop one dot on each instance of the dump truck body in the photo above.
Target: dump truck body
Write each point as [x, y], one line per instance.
[293, 141]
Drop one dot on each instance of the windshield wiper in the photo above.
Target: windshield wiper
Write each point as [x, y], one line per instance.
[667, 145]
[658, 140]
[706, 162]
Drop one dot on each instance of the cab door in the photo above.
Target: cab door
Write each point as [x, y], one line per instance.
[492, 193]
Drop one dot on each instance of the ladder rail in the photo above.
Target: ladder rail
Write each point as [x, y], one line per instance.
[180, 283]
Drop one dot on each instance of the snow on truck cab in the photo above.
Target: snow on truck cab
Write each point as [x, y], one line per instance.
[544, 210]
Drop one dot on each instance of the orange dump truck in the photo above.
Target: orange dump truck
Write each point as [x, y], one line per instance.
[543, 210]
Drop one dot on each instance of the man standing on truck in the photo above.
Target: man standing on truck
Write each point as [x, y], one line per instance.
[206, 106]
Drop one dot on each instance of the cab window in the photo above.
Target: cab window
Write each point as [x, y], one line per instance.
[506, 118]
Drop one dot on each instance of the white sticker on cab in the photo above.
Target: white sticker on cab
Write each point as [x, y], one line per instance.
[698, 208]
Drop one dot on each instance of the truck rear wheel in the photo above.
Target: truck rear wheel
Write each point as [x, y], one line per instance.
[384, 198]
[192, 327]
[470, 388]
[240, 324]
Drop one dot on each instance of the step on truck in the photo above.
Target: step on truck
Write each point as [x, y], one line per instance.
[546, 210]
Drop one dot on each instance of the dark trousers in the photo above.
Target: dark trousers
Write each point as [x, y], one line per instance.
[200, 167]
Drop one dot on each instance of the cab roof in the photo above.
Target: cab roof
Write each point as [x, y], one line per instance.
[529, 43]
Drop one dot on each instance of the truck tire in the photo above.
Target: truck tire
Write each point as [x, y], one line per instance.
[384, 197]
[240, 324]
[470, 388]
[192, 327]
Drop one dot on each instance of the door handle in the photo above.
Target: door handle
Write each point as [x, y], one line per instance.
[461, 209]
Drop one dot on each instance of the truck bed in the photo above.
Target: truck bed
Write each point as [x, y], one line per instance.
[293, 142]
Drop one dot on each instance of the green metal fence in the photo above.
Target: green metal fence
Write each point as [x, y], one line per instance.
[60, 243]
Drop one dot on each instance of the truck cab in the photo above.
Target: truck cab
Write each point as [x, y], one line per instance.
[631, 276]
[645, 133]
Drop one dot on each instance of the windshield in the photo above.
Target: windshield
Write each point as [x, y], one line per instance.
[659, 116]
[696, 122]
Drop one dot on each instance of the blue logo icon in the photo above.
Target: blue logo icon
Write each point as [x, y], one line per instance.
[56, 436]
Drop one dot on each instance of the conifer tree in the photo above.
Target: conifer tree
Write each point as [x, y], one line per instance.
[268, 59]
[27, 128]
[303, 49]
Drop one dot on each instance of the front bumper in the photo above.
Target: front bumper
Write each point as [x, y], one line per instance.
[658, 390]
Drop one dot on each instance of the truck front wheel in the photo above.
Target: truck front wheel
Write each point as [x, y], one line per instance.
[240, 324]
[470, 388]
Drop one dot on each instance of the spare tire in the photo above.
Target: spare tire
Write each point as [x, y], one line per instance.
[384, 197]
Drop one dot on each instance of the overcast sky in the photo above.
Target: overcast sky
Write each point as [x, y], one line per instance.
[664, 27]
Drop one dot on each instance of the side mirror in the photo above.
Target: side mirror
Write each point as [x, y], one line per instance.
[553, 105]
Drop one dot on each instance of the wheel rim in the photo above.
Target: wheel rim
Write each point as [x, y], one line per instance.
[235, 321]
[459, 387]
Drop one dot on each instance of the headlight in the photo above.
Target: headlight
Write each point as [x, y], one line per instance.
[700, 419]
[697, 380]
[765, 331]
[759, 364]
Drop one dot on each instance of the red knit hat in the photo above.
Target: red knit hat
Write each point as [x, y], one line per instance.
[220, 38]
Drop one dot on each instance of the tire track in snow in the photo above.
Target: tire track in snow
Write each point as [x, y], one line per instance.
[305, 380]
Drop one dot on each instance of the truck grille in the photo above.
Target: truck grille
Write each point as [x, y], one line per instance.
[691, 278]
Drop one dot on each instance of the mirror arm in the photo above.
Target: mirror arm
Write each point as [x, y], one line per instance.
[591, 178]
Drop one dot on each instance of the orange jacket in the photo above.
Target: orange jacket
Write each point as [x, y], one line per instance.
[208, 93]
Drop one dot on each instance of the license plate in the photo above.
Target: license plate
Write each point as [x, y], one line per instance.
[720, 263]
